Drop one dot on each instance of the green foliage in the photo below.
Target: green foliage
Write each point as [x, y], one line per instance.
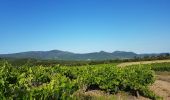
[60, 83]
[113, 79]
[146, 92]
[160, 66]
[34, 83]
[165, 66]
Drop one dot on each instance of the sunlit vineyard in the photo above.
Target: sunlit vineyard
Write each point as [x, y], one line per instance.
[62, 83]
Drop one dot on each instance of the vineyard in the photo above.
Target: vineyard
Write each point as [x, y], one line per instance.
[161, 86]
[160, 67]
[62, 82]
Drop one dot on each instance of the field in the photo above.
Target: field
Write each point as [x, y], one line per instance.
[87, 82]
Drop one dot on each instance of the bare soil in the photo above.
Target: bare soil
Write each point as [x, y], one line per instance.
[162, 85]
[161, 88]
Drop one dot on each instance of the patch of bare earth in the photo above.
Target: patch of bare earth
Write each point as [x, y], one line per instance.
[161, 88]
[162, 85]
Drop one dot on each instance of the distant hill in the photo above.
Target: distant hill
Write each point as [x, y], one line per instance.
[64, 55]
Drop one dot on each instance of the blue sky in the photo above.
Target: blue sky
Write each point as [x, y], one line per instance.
[82, 26]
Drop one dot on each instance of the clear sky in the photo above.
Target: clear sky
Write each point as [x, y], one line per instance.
[82, 26]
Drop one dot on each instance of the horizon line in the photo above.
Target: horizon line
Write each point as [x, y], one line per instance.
[81, 52]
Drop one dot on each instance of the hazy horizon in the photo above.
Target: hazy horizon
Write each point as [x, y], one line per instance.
[86, 52]
[84, 26]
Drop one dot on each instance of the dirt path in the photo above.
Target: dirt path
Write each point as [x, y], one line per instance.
[142, 62]
[161, 88]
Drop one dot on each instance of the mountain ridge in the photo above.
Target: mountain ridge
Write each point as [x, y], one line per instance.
[65, 55]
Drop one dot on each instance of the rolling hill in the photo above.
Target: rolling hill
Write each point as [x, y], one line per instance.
[65, 55]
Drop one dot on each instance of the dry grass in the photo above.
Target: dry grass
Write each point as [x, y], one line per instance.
[142, 62]
[101, 95]
[93, 95]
